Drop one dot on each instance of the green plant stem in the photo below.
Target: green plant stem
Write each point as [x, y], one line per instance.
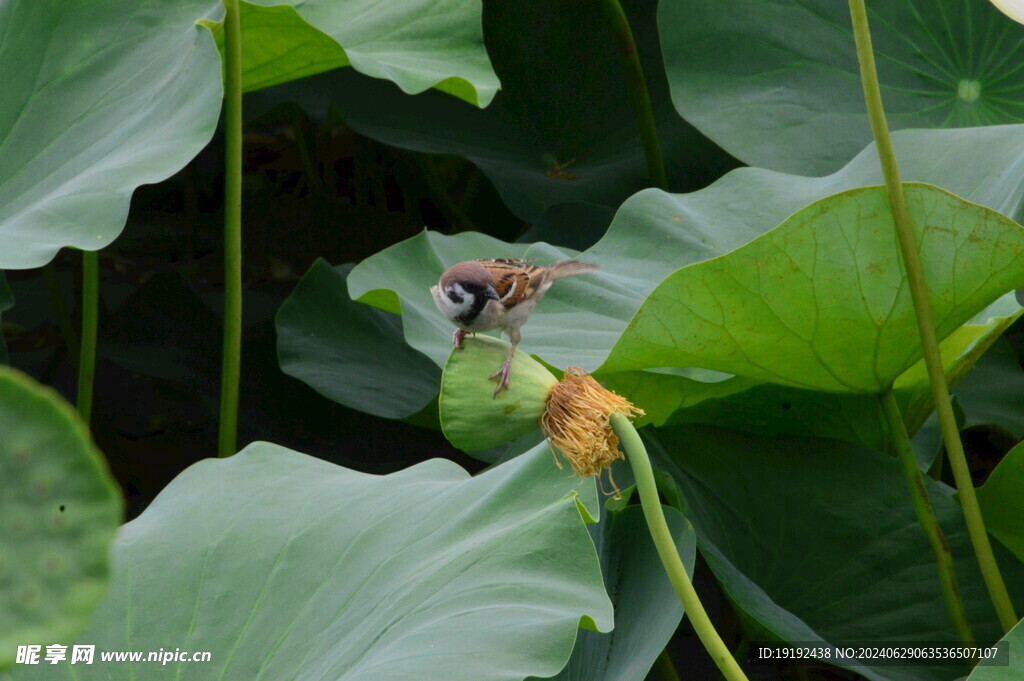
[61, 310]
[637, 84]
[90, 324]
[926, 328]
[636, 453]
[926, 517]
[664, 667]
[232, 349]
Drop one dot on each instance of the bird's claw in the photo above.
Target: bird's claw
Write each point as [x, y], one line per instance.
[502, 375]
[457, 338]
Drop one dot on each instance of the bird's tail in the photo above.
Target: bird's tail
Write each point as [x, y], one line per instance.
[567, 268]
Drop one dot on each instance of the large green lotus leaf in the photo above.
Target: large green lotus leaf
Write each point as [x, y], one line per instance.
[770, 409]
[418, 45]
[1002, 500]
[817, 540]
[6, 303]
[1014, 670]
[473, 419]
[558, 131]
[59, 511]
[351, 353]
[655, 233]
[285, 566]
[85, 119]
[789, 306]
[647, 610]
[777, 84]
[99, 98]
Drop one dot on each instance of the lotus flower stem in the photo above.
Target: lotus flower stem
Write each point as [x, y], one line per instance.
[637, 84]
[926, 517]
[636, 453]
[232, 348]
[926, 328]
[90, 324]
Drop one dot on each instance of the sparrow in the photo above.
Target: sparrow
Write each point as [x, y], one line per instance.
[480, 295]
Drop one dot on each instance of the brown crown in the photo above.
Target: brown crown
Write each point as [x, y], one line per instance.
[469, 272]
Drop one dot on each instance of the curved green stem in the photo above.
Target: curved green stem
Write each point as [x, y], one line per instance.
[637, 84]
[926, 328]
[232, 348]
[90, 325]
[636, 453]
[926, 517]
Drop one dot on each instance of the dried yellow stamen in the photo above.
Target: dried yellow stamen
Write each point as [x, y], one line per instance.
[576, 421]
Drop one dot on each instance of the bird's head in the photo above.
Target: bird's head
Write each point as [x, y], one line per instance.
[466, 283]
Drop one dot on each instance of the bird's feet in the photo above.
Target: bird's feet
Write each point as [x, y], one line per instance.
[457, 338]
[502, 375]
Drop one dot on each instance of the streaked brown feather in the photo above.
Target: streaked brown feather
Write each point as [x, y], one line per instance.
[518, 280]
[514, 280]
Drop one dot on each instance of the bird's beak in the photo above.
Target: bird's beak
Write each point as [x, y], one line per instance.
[491, 293]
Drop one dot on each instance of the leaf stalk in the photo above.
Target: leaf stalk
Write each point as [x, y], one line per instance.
[926, 518]
[636, 83]
[926, 328]
[636, 453]
[232, 347]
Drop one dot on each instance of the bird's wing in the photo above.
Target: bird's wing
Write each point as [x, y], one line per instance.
[514, 280]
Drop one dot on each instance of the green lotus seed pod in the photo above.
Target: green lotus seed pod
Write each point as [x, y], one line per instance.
[59, 510]
[472, 417]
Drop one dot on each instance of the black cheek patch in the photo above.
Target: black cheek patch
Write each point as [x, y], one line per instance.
[453, 296]
[470, 315]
